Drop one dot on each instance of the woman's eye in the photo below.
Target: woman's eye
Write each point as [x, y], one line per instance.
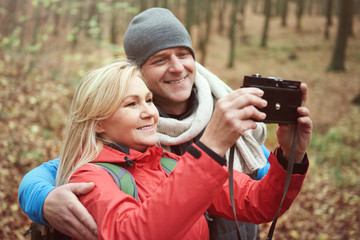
[149, 100]
[130, 104]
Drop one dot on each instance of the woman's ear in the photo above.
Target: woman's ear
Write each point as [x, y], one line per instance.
[99, 128]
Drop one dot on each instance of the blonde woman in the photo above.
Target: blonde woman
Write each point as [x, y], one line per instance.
[114, 120]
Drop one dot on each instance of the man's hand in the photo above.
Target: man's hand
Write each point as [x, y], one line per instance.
[233, 116]
[64, 212]
[285, 132]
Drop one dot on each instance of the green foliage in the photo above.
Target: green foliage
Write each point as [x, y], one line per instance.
[338, 148]
[34, 48]
[94, 29]
[13, 41]
[3, 11]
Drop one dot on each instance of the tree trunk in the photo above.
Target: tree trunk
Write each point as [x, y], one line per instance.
[310, 7]
[143, 5]
[34, 39]
[189, 19]
[92, 14]
[57, 18]
[165, 4]
[278, 7]
[23, 23]
[338, 58]
[350, 18]
[204, 39]
[113, 21]
[242, 6]
[10, 18]
[77, 26]
[232, 34]
[299, 13]
[328, 18]
[267, 9]
[255, 6]
[221, 15]
[36, 24]
[284, 13]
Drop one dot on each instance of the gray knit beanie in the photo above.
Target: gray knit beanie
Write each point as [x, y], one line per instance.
[153, 30]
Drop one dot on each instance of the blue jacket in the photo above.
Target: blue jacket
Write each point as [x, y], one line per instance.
[39, 182]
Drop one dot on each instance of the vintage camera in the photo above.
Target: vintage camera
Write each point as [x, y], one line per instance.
[283, 97]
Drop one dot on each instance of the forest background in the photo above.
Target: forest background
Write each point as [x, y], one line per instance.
[46, 46]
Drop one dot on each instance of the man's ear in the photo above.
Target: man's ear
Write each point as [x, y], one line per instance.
[99, 128]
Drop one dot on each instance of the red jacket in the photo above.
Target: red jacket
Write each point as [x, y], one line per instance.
[173, 206]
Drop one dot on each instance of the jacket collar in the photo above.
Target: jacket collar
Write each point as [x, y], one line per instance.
[119, 147]
[120, 154]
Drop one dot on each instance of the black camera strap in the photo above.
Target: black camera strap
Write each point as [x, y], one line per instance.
[289, 169]
[231, 186]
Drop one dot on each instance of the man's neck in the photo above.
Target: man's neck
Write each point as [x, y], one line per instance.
[178, 111]
[173, 108]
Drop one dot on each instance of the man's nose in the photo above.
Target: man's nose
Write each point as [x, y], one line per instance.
[175, 64]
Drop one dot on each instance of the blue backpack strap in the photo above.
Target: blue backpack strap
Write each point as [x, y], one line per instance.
[123, 178]
[168, 164]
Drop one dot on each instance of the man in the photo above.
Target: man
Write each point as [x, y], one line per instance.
[186, 95]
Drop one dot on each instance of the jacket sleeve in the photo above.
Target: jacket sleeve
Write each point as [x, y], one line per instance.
[34, 188]
[258, 201]
[168, 213]
[263, 171]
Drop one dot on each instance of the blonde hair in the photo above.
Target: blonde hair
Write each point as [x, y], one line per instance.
[98, 96]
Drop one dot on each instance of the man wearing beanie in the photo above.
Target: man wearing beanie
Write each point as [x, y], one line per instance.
[186, 95]
[157, 35]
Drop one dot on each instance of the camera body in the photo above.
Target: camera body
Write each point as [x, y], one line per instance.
[283, 98]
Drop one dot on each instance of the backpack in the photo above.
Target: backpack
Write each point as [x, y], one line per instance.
[123, 179]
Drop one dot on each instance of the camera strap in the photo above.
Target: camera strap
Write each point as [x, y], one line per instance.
[231, 186]
[289, 170]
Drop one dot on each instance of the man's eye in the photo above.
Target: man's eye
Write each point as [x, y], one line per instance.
[160, 60]
[183, 54]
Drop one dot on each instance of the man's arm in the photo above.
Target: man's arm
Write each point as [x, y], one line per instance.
[34, 188]
[263, 171]
[58, 207]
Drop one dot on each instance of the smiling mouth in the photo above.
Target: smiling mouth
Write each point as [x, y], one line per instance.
[146, 128]
[176, 81]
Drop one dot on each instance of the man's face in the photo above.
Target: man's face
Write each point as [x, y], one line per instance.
[170, 75]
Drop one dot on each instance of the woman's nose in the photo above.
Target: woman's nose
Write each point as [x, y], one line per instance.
[148, 110]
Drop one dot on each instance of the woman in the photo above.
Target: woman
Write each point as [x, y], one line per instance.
[113, 120]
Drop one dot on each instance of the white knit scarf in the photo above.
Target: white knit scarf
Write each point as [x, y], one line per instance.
[248, 155]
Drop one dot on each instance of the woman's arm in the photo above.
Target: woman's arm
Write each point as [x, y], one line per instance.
[258, 201]
[196, 183]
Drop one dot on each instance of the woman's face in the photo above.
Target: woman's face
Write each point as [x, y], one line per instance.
[134, 123]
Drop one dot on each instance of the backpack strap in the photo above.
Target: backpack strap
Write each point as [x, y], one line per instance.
[168, 164]
[125, 181]
[123, 178]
